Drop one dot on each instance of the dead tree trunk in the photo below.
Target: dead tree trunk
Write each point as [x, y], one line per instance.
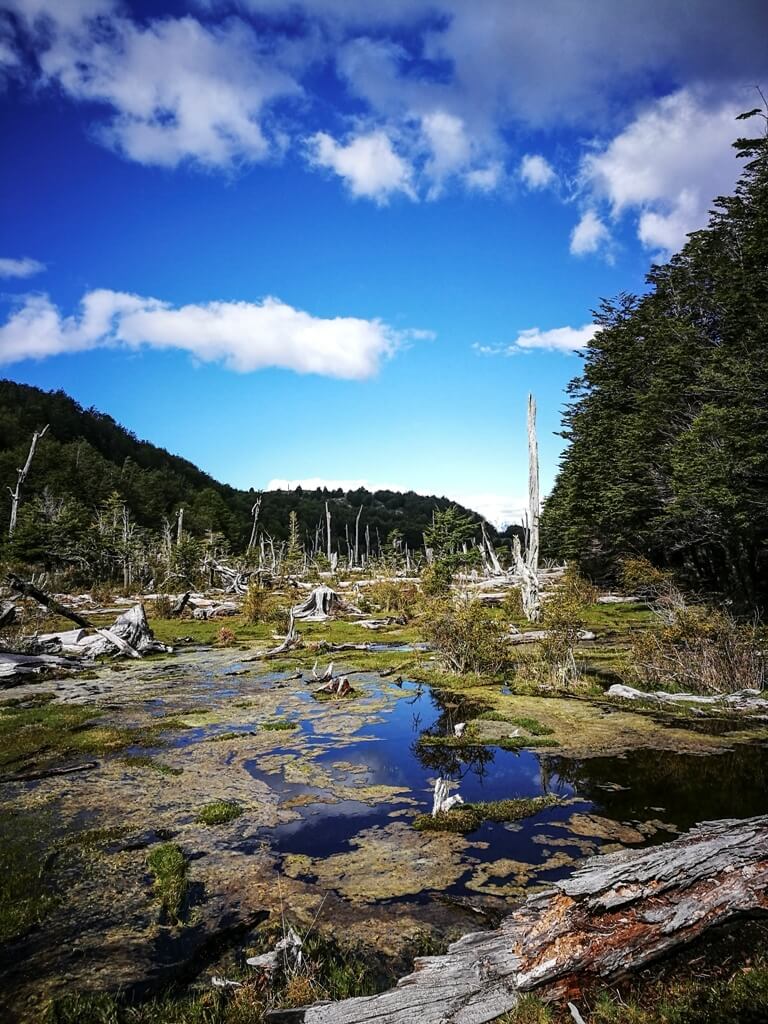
[179, 525]
[328, 529]
[529, 568]
[357, 536]
[613, 916]
[255, 513]
[22, 476]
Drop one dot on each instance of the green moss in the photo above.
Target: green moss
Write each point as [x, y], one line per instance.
[531, 725]
[169, 867]
[44, 733]
[137, 761]
[472, 739]
[468, 817]
[463, 819]
[218, 812]
[279, 725]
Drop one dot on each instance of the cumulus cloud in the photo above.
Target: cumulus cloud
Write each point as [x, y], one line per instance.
[536, 172]
[367, 163]
[556, 339]
[440, 86]
[176, 89]
[590, 234]
[244, 336]
[665, 168]
[23, 267]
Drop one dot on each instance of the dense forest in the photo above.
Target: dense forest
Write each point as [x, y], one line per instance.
[94, 489]
[668, 423]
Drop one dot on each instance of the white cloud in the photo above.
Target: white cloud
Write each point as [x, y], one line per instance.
[536, 171]
[449, 147]
[589, 235]
[556, 339]
[499, 509]
[666, 166]
[176, 89]
[368, 164]
[23, 267]
[485, 179]
[244, 336]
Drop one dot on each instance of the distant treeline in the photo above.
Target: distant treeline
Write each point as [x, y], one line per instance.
[668, 423]
[87, 467]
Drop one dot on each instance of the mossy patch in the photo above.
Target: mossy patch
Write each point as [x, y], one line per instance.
[151, 764]
[44, 733]
[169, 867]
[279, 725]
[466, 818]
[531, 725]
[218, 812]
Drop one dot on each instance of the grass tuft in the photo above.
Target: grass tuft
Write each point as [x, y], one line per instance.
[218, 812]
[469, 817]
[169, 868]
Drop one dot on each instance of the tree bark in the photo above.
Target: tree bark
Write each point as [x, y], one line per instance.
[613, 916]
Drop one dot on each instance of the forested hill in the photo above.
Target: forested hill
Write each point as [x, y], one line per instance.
[86, 459]
[668, 423]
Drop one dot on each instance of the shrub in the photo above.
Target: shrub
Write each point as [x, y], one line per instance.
[469, 638]
[640, 576]
[698, 649]
[563, 617]
[393, 597]
[437, 578]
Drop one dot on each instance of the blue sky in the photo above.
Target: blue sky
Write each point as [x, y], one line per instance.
[342, 241]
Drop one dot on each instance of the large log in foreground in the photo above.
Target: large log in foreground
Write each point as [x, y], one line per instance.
[615, 914]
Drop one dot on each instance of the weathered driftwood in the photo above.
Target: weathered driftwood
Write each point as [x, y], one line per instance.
[215, 610]
[7, 613]
[49, 773]
[323, 603]
[339, 687]
[14, 665]
[612, 916]
[741, 700]
[532, 636]
[441, 800]
[130, 633]
[180, 605]
[30, 590]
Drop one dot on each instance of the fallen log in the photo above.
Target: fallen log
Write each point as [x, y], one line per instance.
[29, 590]
[7, 613]
[614, 915]
[741, 700]
[14, 665]
[532, 636]
[49, 773]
